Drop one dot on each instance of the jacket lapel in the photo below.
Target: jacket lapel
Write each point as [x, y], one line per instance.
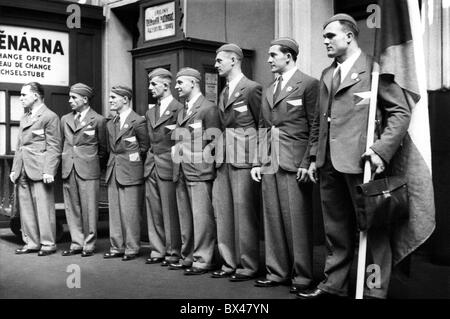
[237, 92]
[194, 109]
[269, 94]
[126, 126]
[172, 107]
[328, 77]
[352, 76]
[29, 121]
[290, 87]
[151, 113]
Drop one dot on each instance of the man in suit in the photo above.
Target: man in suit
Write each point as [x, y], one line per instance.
[84, 140]
[234, 191]
[128, 143]
[194, 173]
[34, 168]
[338, 147]
[160, 195]
[287, 111]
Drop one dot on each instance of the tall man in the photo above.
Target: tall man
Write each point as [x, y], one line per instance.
[234, 191]
[160, 195]
[128, 143]
[34, 168]
[287, 111]
[338, 147]
[194, 173]
[84, 139]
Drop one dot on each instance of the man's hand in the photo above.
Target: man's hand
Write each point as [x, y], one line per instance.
[376, 161]
[12, 176]
[312, 172]
[256, 174]
[47, 178]
[302, 175]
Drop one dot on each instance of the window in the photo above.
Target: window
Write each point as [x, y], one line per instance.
[10, 113]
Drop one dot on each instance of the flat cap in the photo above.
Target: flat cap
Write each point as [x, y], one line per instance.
[160, 72]
[342, 17]
[82, 89]
[287, 42]
[122, 91]
[190, 72]
[231, 47]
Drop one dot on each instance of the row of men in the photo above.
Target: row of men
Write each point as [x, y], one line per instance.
[319, 127]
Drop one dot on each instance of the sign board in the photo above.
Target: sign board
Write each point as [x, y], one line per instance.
[28, 55]
[159, 21]
[211, 87]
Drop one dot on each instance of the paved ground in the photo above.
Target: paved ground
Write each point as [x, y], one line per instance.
[29, 276]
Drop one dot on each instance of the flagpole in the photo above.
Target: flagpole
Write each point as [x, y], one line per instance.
[367, 175]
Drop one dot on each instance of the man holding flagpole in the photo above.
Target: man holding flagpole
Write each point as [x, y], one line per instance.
[338, 150]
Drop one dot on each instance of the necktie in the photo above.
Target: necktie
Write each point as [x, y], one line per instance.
[335, 83]
[226, 93]
[157, 111]
[278, 89]
[77, 120]
[188, 111]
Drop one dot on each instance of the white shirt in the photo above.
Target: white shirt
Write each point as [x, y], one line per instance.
[123, 116]
[233, 83]
[192, 101]
[83, 113]
[164, 104]
[286, 77]
[347, 64]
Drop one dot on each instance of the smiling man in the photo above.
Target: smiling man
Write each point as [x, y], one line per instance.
[128, 143]
[34, 168]
[84, 140]
[235, 197]
[194, 175]
[160, 195]
[287, 111]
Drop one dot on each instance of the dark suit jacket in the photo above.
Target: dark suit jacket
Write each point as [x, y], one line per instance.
[292, 114]
[161, 142]
[39, 145]
[349, 113]
[85, 146]
[127, 148]
[240, 116]
[191, 141]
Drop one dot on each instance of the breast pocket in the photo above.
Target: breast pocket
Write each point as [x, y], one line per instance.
[295, 106]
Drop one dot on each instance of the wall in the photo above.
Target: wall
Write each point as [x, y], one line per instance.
[250, 24]
[117, 61]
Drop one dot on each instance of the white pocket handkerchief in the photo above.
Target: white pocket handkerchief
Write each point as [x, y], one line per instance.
[89, 126]
[134, 157]
[38, 132]
[196, 125]
[241, 109]
[130, 139]
[297, 102]
[90, 132]
[171, 127]
[150, 106]
[237, 103]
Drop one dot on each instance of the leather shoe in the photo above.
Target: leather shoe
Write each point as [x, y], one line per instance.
[71, 252]
[46, 252]
[177, 266]
[21, 251]
[129, 257]
[240, 277]
[154, 260]
[112, 255]
[314, 294]
[267, 283]
[165, 263]
[296, 289]
[195, 271]
[221, 274]
[87, 253]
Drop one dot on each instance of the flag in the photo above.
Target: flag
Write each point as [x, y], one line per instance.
[399, 52]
